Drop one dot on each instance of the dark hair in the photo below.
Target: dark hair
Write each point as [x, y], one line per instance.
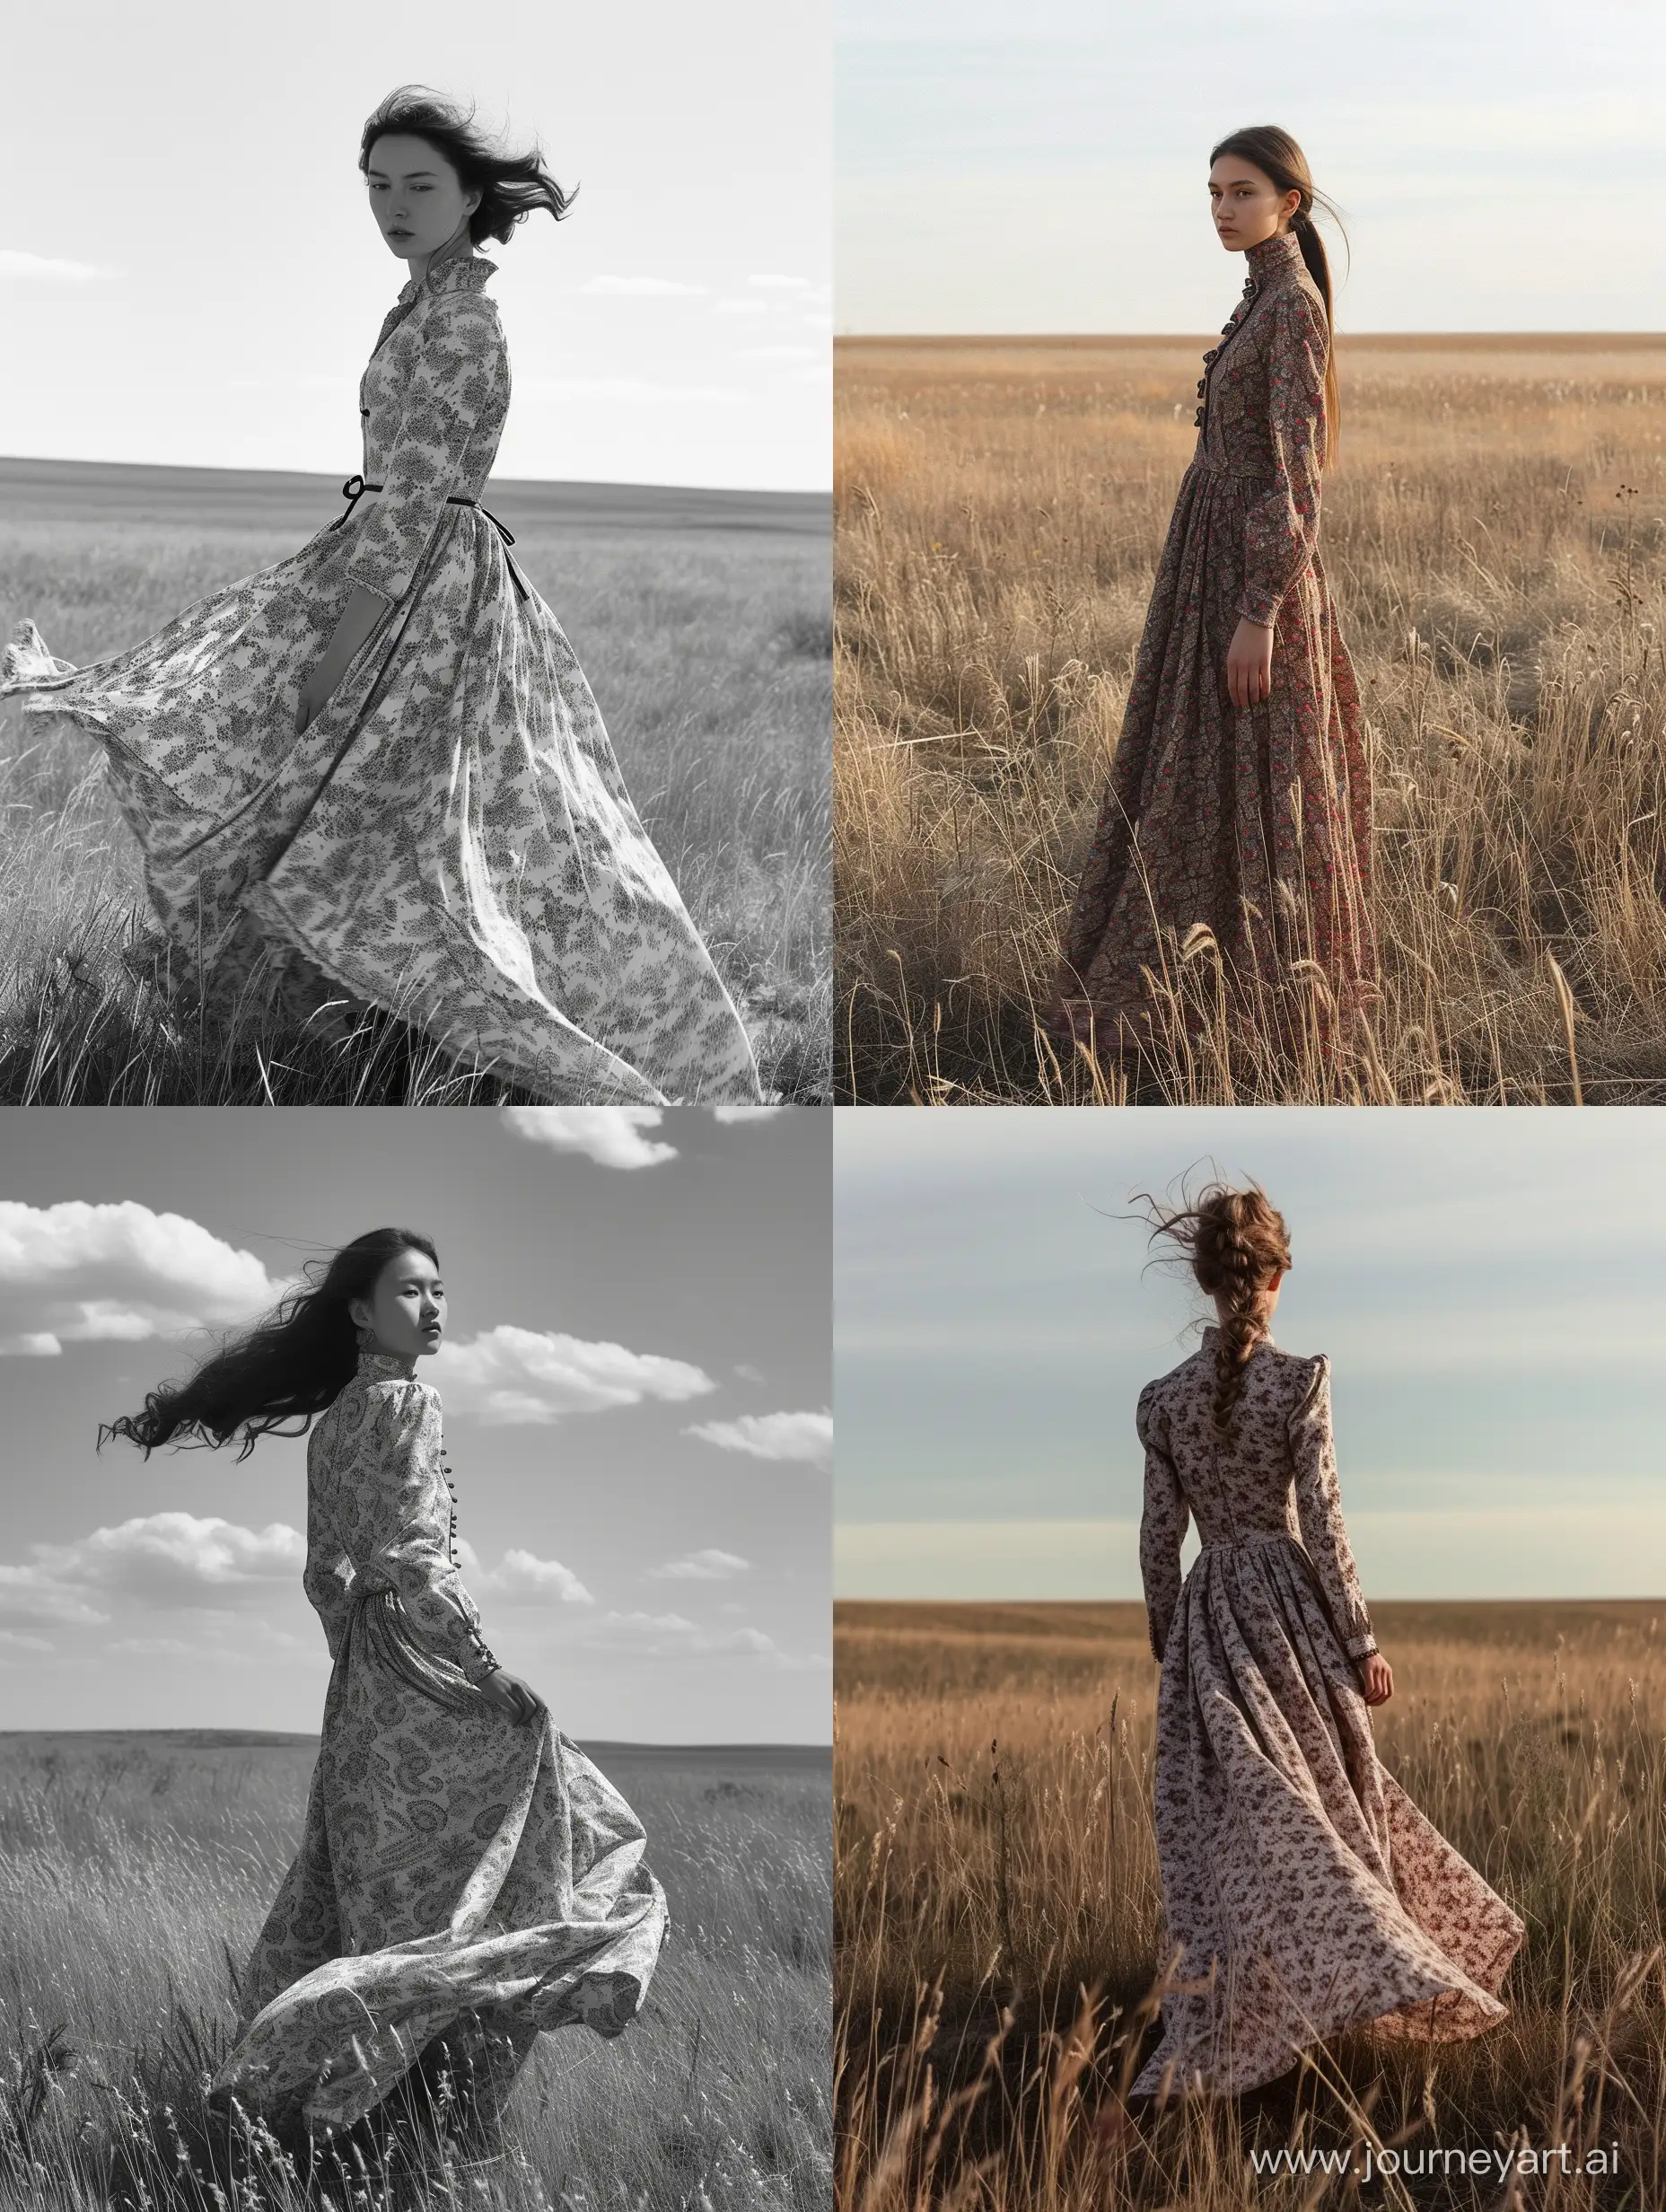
[288, 1367]
[509, 184]
[1235, 1242]
[1276, 154]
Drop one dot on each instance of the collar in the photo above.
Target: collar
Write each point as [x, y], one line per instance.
[458, 269]
[384, 1367]
[1271, 258]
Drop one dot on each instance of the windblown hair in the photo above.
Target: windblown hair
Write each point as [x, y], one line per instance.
[287, 1368]
[1234, 1241]
[1276, 154]
[509, 184]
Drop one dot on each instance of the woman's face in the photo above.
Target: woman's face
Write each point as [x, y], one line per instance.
[405, 1314]
[1249, 207]
[414, 196]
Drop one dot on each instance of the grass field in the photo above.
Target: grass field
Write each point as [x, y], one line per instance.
[702, 622]
[994, 1861]
[1494, 530]
[129, 1866]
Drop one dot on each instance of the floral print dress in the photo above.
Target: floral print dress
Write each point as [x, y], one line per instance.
[461, 1875]
[450, 838]
[1302, 1889]
[1253, 821]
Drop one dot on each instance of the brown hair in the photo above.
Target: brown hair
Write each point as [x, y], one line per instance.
[1276, 154]
[1235, 1242]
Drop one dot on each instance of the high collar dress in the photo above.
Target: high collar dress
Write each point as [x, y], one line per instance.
[460, 1876]
[450, 838]
[1253, 822]
[1302, 1890]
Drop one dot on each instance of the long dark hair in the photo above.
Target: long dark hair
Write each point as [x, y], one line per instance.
[288, 1367]
[1276, 154]
[1235, 1242]
[509, 184]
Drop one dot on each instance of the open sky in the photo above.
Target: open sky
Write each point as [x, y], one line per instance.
[189, 271]
[1488, 1282]
[1044, 168]
[634, 1380]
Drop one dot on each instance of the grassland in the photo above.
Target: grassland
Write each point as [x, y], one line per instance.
[1494, 530]
[131, 1867]
[998, 1908]
[706, 643]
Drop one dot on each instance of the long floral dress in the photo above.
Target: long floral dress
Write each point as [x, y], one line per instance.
[1299, 1882]
[1254, 821]
[460, 1874]
[451, 839]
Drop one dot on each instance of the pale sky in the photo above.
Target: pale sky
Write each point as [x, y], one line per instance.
[1487, 1283]
[1044, 169]
[189, 271]
[636, 1393]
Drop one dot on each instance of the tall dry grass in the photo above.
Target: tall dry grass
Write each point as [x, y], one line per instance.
[133, 1881]
[1494, 530]
[708, 653]
[997, 1910]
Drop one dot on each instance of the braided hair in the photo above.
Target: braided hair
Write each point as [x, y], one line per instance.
[1235, 1242]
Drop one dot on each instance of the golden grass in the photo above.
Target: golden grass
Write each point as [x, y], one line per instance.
[129, 1874]
[1494, 530]
[998, 1908]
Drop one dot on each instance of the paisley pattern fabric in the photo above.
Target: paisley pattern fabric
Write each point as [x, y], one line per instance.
[1253, 821]
[460, 1876]
[450, 838]
[1302, 1890]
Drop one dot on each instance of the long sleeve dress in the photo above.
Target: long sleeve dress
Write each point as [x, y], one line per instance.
[460, 1874]
[1254, 822]
[1299, 1881]
[450, 838]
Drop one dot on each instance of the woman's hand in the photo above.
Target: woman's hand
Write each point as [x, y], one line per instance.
[360, 620]
[507, 1694]
[1379, 1678]
[1249, 663]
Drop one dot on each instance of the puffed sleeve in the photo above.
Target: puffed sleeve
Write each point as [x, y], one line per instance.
[1319, 1510]
[455, 381]
[407, 1532]
[1280, 527]
[1163, 1524]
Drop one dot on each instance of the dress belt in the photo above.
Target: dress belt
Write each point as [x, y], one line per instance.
[354, 489]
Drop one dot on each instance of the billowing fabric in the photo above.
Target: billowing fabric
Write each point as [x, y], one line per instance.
[461, 1875]
[450, 838]
[1254, 821]
[1299, 1882]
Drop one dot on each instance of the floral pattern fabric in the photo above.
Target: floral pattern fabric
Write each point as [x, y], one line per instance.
[460, 1876]
[1253, 821]
[451, 837]
[1302, 1889]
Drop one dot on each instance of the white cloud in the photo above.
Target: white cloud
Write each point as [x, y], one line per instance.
[807, 1436]
[750, 1113]
[672, 1635]
[76, 1273]
[31, 1593]
[749, 1374]
[708, 1566]
[43, 268]
[640, 288]
[11, 1641]
[515, 1375]
[520, 1576]
[160, 1558]
[611, 1136]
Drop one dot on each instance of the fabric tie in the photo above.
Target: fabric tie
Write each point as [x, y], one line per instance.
[352, 491]
[355, 488]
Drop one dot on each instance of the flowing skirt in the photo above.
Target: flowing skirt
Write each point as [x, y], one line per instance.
[450, 838]
[1303, 1889]
[459, 1874]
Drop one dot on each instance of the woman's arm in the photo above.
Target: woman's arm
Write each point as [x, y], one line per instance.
[1318, 1509]
[1162, 1524]
[405, 1537]
[1281, 528]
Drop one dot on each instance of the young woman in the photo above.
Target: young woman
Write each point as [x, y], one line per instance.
[1240, 797]
[467, 1878]
[1302, 1888]
[376, 769]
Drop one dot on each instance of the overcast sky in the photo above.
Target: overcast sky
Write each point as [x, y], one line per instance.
[635, 1391]
[189, 271]
[1487, 1283]
[1044, 169]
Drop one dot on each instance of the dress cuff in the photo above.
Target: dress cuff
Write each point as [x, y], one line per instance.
[1260, 608]
[1361, 1645]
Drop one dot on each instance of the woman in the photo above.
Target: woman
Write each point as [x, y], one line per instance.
[1302, 1888]
[1240, 797]
[466, 1878]
[376, 770]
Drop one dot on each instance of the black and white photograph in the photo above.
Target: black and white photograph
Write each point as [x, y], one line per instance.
[415, 557]
[415, 1658]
